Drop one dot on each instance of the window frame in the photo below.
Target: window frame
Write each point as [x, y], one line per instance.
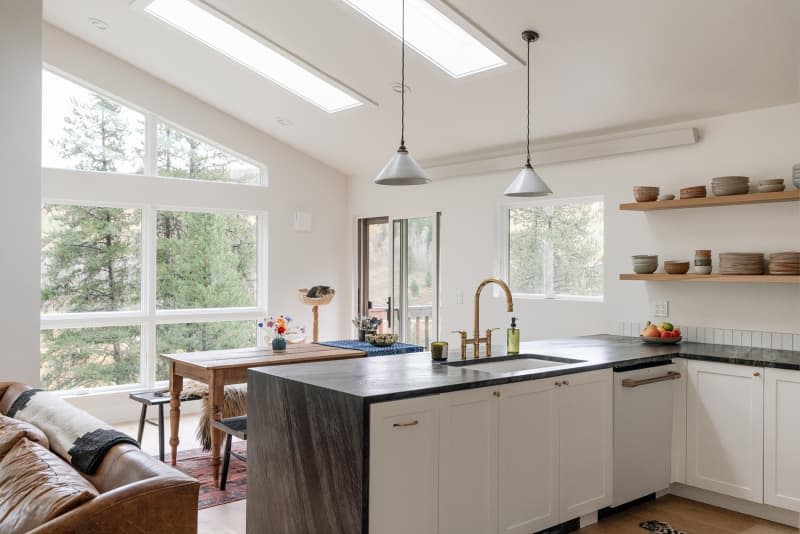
[503, 251]
[71, 187]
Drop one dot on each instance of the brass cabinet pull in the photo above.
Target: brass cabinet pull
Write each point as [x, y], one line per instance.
[631, 383]
[558, 384]
[756, 373]
[496, 393]
[565, 382]
[410, 423]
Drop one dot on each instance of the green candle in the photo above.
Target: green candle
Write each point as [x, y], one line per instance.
[439, 351]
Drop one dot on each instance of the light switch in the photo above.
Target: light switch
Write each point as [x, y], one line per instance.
[302, 221]
[459, 297]
[661, 309]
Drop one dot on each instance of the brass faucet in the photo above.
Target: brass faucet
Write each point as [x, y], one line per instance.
[476, 340]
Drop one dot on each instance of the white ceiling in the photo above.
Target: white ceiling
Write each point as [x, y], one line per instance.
[600, 66]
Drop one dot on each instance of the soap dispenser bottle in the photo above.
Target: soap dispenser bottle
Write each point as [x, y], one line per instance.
[512, 338]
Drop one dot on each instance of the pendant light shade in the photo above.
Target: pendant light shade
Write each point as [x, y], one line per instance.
[402, 169]
[528, 183]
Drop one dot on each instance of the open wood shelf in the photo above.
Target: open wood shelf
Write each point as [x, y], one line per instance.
[730, 200]
[730, 278]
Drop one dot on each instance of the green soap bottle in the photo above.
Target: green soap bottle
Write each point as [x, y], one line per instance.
[512, 338]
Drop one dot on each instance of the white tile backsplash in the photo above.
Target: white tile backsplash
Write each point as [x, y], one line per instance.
[722, 336]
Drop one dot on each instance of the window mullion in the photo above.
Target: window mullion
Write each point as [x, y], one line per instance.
[148, 345]
[150, 145]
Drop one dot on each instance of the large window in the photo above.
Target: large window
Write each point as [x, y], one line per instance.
[554, 248]
[125, 281]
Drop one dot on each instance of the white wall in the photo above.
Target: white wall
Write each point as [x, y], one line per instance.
[296, 180]
[20, 183]
[761, 144]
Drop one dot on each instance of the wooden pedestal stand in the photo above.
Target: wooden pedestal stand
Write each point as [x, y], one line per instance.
[315, 304]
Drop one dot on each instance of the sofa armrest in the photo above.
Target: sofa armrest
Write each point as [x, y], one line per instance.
[159, 504]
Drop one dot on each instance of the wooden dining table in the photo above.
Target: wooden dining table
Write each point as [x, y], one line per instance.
[218, 368]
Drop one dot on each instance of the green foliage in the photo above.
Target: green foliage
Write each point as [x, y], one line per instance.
[413, 287]
[91, 261]
[566, 241]
[428, 279]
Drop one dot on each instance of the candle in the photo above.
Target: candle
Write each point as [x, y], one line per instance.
[439, 351]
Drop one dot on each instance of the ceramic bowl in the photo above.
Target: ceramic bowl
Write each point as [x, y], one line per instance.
[645, 263]
[645, 193]
[676, 267]
[771, 188]
[382, 340]
[796, 181]
[702, 269]
[666, 197]
[771, 181]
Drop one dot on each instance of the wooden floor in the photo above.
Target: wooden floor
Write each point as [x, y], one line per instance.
[689, 516]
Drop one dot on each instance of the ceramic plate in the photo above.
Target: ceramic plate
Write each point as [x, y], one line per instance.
[661, 340]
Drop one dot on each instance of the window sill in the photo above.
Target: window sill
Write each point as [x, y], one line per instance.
[560, 298]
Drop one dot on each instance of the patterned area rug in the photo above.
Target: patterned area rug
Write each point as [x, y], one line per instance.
[197, 464]
[659, 527]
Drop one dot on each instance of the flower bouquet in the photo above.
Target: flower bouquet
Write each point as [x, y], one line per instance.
[278, 330]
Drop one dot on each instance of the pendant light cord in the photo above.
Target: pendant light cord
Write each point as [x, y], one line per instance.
[529, 103]
[403, 79]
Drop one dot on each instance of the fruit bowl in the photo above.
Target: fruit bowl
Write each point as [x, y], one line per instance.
[382, 340]
[661, 340]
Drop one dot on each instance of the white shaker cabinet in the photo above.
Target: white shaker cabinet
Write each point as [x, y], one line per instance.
[585, 411]
[782, 438]
[725, 429]
[528, 453]
[403, 466]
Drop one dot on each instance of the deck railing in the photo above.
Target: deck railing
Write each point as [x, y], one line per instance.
[419, 323]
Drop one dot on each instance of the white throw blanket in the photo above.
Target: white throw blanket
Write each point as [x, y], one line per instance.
[79, 438]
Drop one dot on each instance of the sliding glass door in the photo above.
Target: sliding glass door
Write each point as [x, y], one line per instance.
[399, 275]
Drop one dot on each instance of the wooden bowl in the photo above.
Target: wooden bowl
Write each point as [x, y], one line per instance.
[645, 193]
[676, 267]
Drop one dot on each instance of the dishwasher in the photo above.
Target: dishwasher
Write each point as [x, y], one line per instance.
[643, 398]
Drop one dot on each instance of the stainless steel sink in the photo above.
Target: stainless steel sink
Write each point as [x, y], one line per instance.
[511, 364]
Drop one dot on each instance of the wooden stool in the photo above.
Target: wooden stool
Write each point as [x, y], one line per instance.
[232, 426]
[154, 398]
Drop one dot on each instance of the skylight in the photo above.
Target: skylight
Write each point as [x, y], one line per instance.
[243, 48]
[428, 31]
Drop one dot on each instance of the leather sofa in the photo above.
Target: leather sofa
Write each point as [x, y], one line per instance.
[135, 492]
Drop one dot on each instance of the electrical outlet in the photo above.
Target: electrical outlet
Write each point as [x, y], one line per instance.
[459, 297]
[661, 309]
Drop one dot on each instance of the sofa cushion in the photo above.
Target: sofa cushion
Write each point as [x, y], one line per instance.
[36, 486]
[13, 430]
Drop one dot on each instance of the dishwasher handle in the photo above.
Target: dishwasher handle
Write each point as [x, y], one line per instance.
[631, 383]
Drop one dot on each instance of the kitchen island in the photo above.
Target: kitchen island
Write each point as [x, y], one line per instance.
[314, 440]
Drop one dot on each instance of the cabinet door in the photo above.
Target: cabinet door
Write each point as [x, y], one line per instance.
[528, 457]
[468, 462]
[782, 438]
[725, 432]
[678, 456]
[403, 476]
[585, 438]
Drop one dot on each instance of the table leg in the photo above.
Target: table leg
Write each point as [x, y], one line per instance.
[175, 388]
[216, 400]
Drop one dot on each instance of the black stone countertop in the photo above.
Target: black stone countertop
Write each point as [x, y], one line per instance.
[382, 378]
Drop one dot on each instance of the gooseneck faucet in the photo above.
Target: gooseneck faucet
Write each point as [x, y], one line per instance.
[476, 339]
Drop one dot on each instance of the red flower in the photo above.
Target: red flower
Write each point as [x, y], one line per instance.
[281, 330]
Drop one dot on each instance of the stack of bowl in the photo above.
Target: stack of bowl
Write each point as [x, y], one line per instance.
[696, 191]
[676, 267]
[702, 261]
[741, 263]
[771, 185]
[723, 186]
[784, 263]
[645, 263]
[645, 193]
[796, 175]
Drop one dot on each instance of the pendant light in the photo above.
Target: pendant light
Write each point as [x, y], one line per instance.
[402, 169]
[528, 183]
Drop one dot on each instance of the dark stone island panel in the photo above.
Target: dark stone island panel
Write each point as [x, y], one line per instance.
[305, 459]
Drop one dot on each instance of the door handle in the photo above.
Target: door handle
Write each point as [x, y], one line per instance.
[389, 313]
[631, 383]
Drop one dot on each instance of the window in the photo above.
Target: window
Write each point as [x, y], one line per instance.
[181, 155]
[554, 249]
[428, 31]
[211, 29]
[84, 130]
[123, 282]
